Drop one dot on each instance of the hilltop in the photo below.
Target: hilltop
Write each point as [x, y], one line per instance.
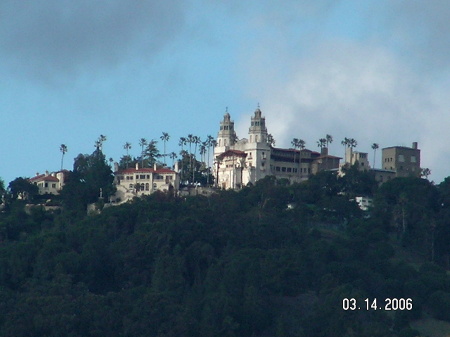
[233, 264]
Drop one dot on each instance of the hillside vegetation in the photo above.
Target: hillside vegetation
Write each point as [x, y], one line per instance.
[234, 264]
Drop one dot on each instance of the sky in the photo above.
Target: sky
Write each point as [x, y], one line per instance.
[377, 71]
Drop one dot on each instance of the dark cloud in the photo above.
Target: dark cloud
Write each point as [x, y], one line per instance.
[64, 37]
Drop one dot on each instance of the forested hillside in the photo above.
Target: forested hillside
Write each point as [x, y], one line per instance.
[234, 264]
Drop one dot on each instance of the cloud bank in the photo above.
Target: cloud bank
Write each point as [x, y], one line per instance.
[53, 38]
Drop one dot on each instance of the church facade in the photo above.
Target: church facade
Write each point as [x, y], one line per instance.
[247, 160]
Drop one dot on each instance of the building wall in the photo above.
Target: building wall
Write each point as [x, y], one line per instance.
[259, 159]
[405, 161]
[49, 183]
[148, 181]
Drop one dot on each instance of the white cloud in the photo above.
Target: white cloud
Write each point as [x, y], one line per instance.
[356, 90]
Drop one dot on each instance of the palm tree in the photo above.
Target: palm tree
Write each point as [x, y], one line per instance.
[202, 151]
[190, 140]
[350, 143]
[101, 140]
[329, 139]
[127, 146]
[270, 140]
[63, 149]
[425, 172]
[165, 137]
[97, 145]
[298, 144]
[294, 143]
[322, 142]
[211, 143]
[142, 144]
[208, 142]
[173, 156]
[375, 146]
[301, 146]
[196, 140]
[182, 142]
[345, 143]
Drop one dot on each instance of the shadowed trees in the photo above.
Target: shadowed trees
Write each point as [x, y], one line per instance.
[91, 176]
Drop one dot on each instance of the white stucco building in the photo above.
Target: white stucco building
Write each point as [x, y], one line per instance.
[239, 162]
[49, 183]
[135, 182]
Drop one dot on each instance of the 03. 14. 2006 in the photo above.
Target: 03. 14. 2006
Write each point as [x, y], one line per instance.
[389, 304]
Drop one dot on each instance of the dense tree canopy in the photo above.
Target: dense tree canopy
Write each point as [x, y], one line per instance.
[90, 178]
[269, 260]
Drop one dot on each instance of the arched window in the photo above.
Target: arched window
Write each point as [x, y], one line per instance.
[147, 186]
[256, 139]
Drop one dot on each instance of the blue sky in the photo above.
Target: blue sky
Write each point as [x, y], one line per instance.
[376, 71]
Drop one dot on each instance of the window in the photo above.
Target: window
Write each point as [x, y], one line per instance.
[289, 169]
[401, 158]
[277, 168]
[256, 139]
[142, 176]
[46, 184]
[413, 159]
[147, 186]
[53, 185]
[283, 169]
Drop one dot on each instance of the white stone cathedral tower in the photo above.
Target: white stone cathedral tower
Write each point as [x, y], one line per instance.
[227, 135]
[258, 131]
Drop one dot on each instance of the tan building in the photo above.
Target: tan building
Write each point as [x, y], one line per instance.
[244, 161]
[404, 161]
[135, 182]
[49, 183]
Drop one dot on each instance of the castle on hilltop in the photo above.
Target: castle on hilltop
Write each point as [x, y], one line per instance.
[239, 162]
[247, 160]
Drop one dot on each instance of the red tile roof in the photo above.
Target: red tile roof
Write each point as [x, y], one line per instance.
[145, 170]
[43, 177]
[236, 153]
